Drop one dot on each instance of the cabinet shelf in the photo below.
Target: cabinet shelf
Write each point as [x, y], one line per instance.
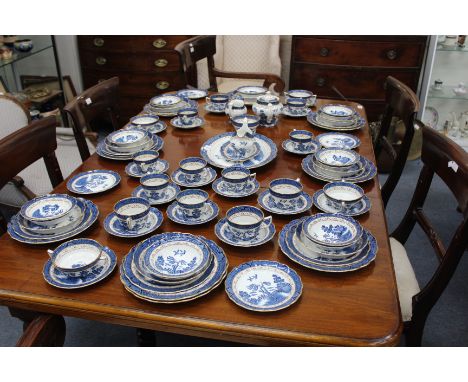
[446, 93]
[18, 56]
[441, 48]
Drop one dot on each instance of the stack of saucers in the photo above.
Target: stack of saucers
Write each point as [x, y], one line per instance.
[328, 243]
[167, 105]
[339, 164]
[52, 218]
[173, 267]
[336, 117]
[122, 144]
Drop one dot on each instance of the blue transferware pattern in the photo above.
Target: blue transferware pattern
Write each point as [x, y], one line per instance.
[132, 169]
[336, 110]
[289, 112]
[322, 202]
[195, 180]
[265, 233]
[239, 151]
[168, 195]
[155, 128]
[156, 143]
[235, 190]
[126, 136]
[165, 100]
[312, 119]
[197, 122]
[93, 182]
[47, 207]
[338, 140]
[60, 279]
[263, 285]
[114, 226]
[213, 108]
[178, 215]
[300, 148]
[192, 93]
[337, 157]
[285, 207]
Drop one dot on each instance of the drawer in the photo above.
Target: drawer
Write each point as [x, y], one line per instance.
[143, 44]
[359, 53]
[147, 62]
[351, 82]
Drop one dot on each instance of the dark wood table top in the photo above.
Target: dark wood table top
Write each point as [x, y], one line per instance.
[357, 308]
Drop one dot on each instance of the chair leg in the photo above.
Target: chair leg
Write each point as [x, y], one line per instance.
[414, 332]
[44, 330]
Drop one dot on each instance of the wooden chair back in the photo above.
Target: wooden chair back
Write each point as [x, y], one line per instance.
[78, 124]
[441, 156]
[199, 47]
[401, 102]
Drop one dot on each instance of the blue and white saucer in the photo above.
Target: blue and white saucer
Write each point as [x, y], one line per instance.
[221, 187]
[209, 107]
[159, 167]
[93, 182]
[197, 122]
[206, 177]
[192, 93]
[155, 128]
[295, 206]
[300, 148]
[100, 271]
[263, 286]
[210, 212]
[322, 202]
[169, 195]
[114, 226]
[295, 113]
[265, 234]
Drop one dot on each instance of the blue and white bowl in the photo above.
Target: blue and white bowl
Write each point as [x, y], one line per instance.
[337, 158]
[127, 138]
[145, 121]
[132, 212]
[192, 202]
[48, 210]
[338, 111]
[244, 222]
[155, 185]
[145, 159]
[343, 194]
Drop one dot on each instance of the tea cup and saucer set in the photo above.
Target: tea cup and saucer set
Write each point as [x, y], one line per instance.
[78, 263]
[133, 217]
[192, 207]
[146, 162]
[342, 197]
[301, 142]
[285, 197]
[193, 172]
[187, 118]
[157, 188]
[296, 108]
[236, 182]
[245, 226]
[147, 122]
[303, 94]
[216, 103]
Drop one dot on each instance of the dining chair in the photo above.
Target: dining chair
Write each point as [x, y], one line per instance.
[44, 330]
[402, 103]
[232, 67]
[443, 157]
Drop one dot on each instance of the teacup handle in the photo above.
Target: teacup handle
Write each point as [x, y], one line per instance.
[51, 255]
[144, 167]
[268, 220]
[208, 100]
[253, 176]
[130, 223]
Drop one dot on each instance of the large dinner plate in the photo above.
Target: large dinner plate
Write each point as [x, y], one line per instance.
[312, 119]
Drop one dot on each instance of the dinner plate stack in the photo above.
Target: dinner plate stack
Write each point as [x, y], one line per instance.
[122, 144]
[336, 117]
[328, 243]
[173, 267]
[52, 218]
[168, 105]
[334, 164]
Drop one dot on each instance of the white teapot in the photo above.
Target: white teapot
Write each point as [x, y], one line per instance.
[267, 107]
[235, 108]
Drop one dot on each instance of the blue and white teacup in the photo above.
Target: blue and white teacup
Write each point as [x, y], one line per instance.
[193, 168]
[144, 120]
[155, 185]
[187, 115]
[244, 222]
[237, 178]
[301, 137]
[146, 159]
[218, 101]
[343, 195]
[132, 212]
[286, 192]
[192, 203]
[305, 94]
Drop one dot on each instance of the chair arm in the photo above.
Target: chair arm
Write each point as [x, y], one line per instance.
[269, 78]
[19, 183]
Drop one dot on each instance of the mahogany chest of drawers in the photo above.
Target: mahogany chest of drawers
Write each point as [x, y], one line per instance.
[356, 66]
[146, 66]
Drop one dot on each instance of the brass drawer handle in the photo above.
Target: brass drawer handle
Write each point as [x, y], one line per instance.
[161, 85]
[391, 54]
[98, 41]
[161, 62]
[320, 81]
[101, 60]
[159, 43]
[324, 52]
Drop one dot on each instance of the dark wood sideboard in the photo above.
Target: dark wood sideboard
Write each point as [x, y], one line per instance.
[146, 66]
[356, 66]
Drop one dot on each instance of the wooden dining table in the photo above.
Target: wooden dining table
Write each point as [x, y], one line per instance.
[358, 308]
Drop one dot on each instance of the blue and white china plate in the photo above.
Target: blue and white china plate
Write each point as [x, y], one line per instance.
[175, 214]
[155, 128]
[297, 205]
[18, 233]
[169, 195]
[197, 122]
[265, 234]
[300, 148]
[179, 178]
[221, 187]
[163, 101]
[312, 119]
[129, 137]
[211, 151]
[263, 286]
[155, 144]
[322, 202]
[211, 109]
[192, 93]
[295, 113]
[93, 182]
[133, 170]
[176, 256]
[48, 207]
[338, 140]
[103, 268]
[286, 244]
[141, 288]
[114, 226]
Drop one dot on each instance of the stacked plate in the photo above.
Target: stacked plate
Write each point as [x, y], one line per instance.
[338, 164]
[336, 117]
[52, 218]
[328, 243]
[167, 105]
[122, 144]
[173, 267]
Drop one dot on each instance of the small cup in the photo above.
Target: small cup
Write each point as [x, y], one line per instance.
[237, 177]
[301, 136]
[132, 212]
[144, 120]
[187, 115]
[296, 104]
[192, 202]
[218, 101]
[343, 195]
[285, 193]
[193, 167]
[155, 185]
[145, 159]
[305, 94]
[244, 222]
